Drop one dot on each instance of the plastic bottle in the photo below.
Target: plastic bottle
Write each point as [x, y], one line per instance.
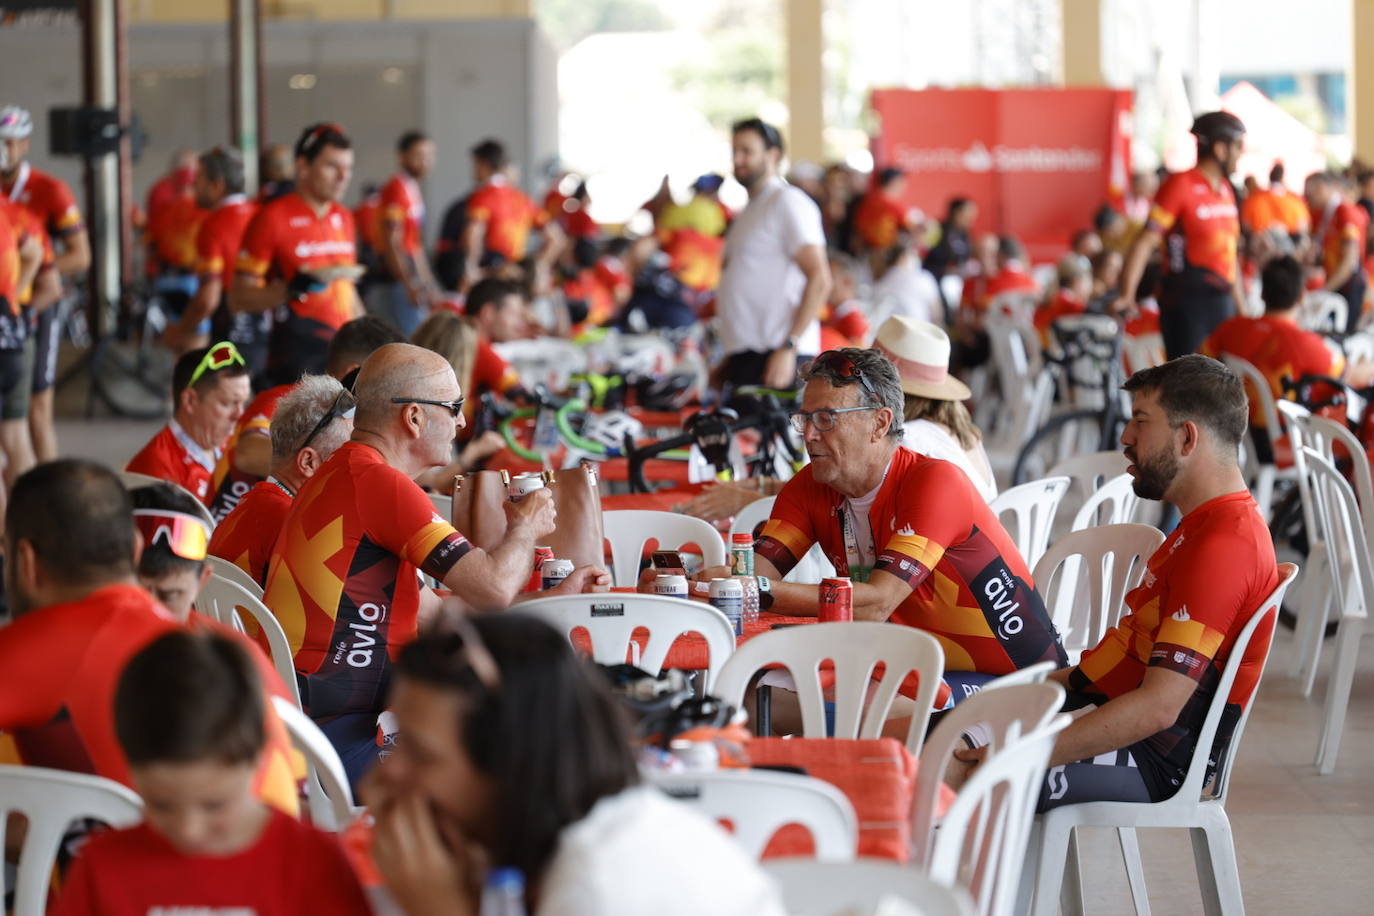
[742, 565]
[504, 894]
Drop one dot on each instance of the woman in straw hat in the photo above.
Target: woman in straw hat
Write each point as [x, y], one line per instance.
[937, 422]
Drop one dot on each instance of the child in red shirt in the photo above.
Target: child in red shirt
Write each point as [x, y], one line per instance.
[189, 716]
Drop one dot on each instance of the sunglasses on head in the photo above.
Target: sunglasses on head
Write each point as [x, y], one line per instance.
[455, 635]
[220, 356]
[836, 362]
[343, 406]
[184, 535]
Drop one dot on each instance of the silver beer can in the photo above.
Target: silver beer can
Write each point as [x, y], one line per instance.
[727, 596]
[673, 586]
[553, 572]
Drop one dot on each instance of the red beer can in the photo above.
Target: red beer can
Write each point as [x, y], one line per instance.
[836, 601]
[536, 581]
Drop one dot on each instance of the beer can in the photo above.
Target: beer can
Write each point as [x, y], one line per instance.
[522, 484]
[727, 596]
[536, 581]
[552, 572]
[836, 600]
[742, 554]
[671, 585]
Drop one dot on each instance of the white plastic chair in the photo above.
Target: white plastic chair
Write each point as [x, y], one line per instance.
[982, 840]
[811, 888]
[629, 530]
[610, 619]
[1322, 310]
[222, 600]
[1088, 472]
[1113, 504]
[1031, 508]
[1112, 559]
[1265, 475]
[855, 648]
[810, 569]
[758, 802]
[1352, 582]
[326, 782]
[1142, 351]
[227, 570]
[132, 480]
[1031, 674]
[1213, 848]
[51, 800]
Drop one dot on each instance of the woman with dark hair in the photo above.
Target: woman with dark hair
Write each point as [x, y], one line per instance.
[516, 756]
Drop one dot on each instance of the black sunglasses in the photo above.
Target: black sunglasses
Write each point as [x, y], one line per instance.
[455, 407]
[456, 636]
[836, 362]
[343, 406]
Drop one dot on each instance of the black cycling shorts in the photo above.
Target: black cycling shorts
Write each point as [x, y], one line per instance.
[45, 340]
[15, 376]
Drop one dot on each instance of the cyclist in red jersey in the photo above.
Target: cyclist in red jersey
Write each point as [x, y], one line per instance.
[1339, 233]
[880, 217]
[1195, 214]
[409, 288]
[1075, 275]
[499, 220]
[291, 251]
[48, 198]
[310, 423]
[209, 389]
[21, 257]
[1151, 679]
[913, 533]
[80, 615]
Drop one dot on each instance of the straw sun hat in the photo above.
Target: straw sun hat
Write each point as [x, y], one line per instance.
[920, 351]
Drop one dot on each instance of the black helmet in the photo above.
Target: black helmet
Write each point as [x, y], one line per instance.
[1216, 126]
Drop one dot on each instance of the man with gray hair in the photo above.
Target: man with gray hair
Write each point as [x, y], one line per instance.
[912, 533]
[310, 423]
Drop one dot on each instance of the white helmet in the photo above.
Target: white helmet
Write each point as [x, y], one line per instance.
[15, 123]
[610, 428]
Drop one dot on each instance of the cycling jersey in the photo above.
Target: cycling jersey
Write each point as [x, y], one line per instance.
[1198, 590]
[1201, 227]
[246, 535]
[219, 238]
[1062, 306]
[694, 257]
[877, 219]
[228, 484]
[849, 320]
[509, 216]
[343, 577]
[13, 324]
[401, 202]
[1278, 348]
[970, 588]
[174, 456]
[1340, 223]
[173, 233]
[59, 669]
[46, 197]
[489, 373]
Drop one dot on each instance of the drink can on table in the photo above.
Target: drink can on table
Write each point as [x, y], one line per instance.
[727, 596]
[522, 484]
[836, 601]
[536, 581]
[671, 585]
[553, 572]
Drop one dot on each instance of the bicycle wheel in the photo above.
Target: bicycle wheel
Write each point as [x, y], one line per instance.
[1076, 432]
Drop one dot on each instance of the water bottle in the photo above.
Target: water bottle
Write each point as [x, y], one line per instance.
[742, 566]
[504, 894]
[751, 599]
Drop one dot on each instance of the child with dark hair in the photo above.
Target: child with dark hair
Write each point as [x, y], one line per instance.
[189, 716]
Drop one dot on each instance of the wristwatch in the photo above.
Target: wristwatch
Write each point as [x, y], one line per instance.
[789, 344]
[765, 593]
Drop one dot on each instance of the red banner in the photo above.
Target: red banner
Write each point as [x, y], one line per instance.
[1038, 162]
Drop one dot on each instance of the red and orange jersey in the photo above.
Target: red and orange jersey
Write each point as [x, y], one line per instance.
[1200, 223]
[59, 667]
[1260, 212]
[228, 484]
[1009, 278]
[1292, 211]
[285, 237]
[578, 224]
[1060, 306]
[46, 197]
[167, 457]
[246, 535]
[220, 237]
[1346, 222]
[11, 235]
[367, 216]
[970, 588]
[1197, 592]
[508, 215]
[586, 287]
[694, 257]
[1278, 348]
[878, 219]
[343, 578]
[173, 232]
[489, 373]
[849, 321]
[402, 204]
[26, 222]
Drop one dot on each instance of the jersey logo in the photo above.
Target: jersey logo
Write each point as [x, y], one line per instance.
[1149, 579]
[1176, 545]
[1059, 782]
[1181, 615]
[906, 531]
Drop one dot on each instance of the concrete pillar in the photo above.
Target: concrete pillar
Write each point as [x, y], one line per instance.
[1082, 42]
[1360, 85]
[805, 81]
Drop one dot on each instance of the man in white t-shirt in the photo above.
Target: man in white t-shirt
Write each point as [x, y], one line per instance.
[775, 276]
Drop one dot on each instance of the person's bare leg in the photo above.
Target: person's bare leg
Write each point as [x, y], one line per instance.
[14, 440]
[41, 426]
[784, 710]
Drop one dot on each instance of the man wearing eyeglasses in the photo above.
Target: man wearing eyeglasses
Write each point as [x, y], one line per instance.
[913, 533]
[209, 388]
[344, 574]
[775, 276]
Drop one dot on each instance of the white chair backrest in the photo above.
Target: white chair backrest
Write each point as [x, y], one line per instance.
[811, 888]
[1257, 386]
[227, 570]
[1298, 420]
[1088, 472]
[1338, 517]
[1027, 511]
[610, 620]
[1031, 674]
[981, 843]
[1113, 503]
[1331, 433]
[1000, 714]
[133, 480]
[51, 800]
[1084, 578]
[223, 600]
[331, 801]
[855, 648]
[752, 516]
[810, 569]
[758, 802]
[1142, 351]
[629, 529]
[1358, 348]
[1322, 310]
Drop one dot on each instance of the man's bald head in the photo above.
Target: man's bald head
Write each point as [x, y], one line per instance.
[400, 370]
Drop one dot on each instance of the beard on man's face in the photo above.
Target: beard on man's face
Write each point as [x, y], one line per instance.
[1153, 476]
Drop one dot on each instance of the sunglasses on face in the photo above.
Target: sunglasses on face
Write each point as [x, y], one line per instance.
[343, 406]
[220, 356]
[454, 407]
[184, 535]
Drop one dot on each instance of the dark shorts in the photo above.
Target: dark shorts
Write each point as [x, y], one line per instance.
[45, 339]
[15, 378]
[354, 736]
[1189, 311]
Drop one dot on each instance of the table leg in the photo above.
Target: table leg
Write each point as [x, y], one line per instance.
[763, 711]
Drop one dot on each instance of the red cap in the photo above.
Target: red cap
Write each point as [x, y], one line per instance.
[743, 537]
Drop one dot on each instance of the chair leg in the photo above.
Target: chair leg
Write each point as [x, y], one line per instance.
[1214, 852]
[1338, 692]
[1316, 602]
[1071, 894]
[1135, 869]
[1051, 864]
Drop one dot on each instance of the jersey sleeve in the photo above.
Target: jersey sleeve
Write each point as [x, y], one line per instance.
[479, 206]
[1205, 596]
[393, 204]
[1169, 204]
[490, 371]
[791, 528]
[404, 522]
[33, 668]
[64, 216]
[256, 249]
[79, 895]
[209, 252]
[932, 515]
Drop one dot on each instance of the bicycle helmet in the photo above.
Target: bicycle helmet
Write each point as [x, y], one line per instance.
[671, 393]
[15, 123]
[1217, 126]
[611, 429]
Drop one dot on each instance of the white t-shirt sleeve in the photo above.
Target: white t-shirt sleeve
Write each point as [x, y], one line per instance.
[801, 221]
